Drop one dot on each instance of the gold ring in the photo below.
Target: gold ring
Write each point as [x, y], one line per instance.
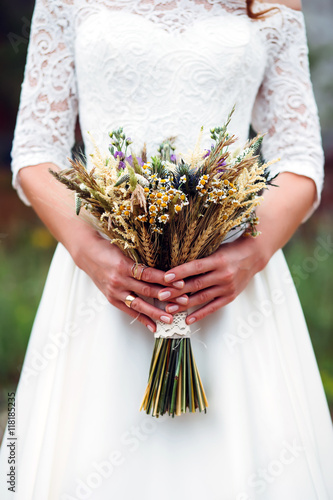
[142, 267]
[137, 270]
[133, 269]
[129, 299]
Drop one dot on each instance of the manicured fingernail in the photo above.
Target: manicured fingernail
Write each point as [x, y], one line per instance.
[169, 277]
[182, 300]
[191, 320]
[178, 284]
[173, 309]
[165, 319]
[164, 295]
[150, 328]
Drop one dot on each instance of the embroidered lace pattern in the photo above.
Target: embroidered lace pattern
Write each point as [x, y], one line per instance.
[197, 57]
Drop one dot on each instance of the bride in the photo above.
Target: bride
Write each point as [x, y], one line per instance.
[162, 68]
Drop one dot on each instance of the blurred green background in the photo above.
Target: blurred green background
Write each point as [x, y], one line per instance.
[26, 247]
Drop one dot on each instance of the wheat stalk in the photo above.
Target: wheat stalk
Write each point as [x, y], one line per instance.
[199, 243]
[174, 250]
[148, 252]
[188, 240]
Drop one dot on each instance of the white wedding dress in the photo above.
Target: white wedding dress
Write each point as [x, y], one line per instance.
[165, 68]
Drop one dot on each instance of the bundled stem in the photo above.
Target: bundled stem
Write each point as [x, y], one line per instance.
[174, 383]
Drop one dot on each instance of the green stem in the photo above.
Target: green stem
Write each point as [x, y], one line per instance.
[175, 383]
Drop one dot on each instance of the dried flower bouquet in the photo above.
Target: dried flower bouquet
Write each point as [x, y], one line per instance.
[165, 212]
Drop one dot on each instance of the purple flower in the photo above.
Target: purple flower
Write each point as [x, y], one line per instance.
[121, 165]
[221, 163]
[120, 154]
[206, 154]
[173, 158]
[130, 160]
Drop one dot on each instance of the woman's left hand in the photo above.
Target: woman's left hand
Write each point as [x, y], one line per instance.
[215, 280]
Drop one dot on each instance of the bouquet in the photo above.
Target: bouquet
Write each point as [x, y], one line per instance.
[166, 211]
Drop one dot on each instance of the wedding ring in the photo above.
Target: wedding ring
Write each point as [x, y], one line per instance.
[129, 299]
[137, 270]
[133, 269]
[142, 267]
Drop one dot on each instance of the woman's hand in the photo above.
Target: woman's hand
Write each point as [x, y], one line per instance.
[218, 279]
[110, 270]
[215, 280]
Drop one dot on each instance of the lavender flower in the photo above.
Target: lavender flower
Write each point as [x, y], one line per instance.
[130, 160]
[221, 163]
[120, 154]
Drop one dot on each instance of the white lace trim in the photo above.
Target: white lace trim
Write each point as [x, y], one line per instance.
[177, 330]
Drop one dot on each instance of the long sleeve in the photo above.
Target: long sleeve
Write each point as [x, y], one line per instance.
[285, 106]
[48, 105]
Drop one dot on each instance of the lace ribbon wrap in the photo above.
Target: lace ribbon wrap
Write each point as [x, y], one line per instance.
[178, 328]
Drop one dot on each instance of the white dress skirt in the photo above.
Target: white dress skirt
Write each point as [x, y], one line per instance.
[267, 432]
[160, 69]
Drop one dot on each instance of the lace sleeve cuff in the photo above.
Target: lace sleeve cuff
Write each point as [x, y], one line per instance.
[285, 106]
[31, 159]
[306, 169]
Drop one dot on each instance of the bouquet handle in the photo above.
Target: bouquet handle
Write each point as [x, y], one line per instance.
[178, 328]
[174, 384]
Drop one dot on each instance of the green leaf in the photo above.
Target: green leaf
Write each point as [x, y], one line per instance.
[136, 165]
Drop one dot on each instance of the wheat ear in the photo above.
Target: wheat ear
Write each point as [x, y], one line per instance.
[147, 247]
[174, 252]
[199, 242]
[188, 240]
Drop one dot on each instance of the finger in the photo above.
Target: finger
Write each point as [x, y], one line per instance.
[192, 268]
[171, 294]
[197, 283]
[152, 275]
[198, 299]
[143, 288]
[209, 308]
[140, 305]
[145, 320]
[153, 291]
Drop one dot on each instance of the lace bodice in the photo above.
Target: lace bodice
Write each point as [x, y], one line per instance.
[164, 68]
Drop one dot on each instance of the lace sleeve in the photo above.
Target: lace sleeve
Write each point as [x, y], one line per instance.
[48, 106]
[285, 107]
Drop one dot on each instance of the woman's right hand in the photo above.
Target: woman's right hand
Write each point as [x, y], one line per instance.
[106, 265]
[110, 270]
